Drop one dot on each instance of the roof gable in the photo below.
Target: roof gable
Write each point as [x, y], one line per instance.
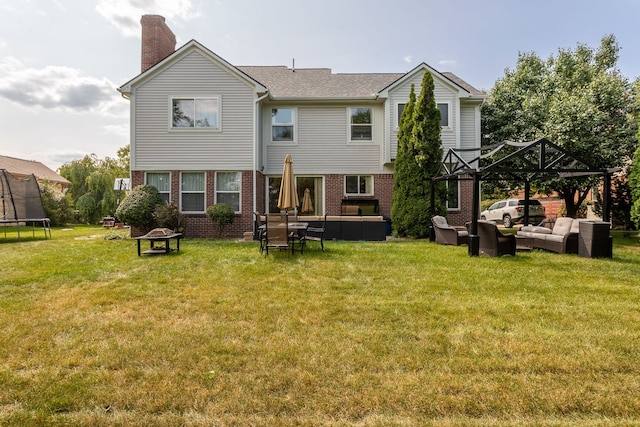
[181, 53]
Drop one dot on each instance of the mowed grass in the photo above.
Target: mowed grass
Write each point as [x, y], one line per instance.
[400, 333]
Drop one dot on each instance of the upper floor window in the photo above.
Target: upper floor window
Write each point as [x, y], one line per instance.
[358, 185]
[282, 122]
[162, 181]
[192, 192]
[361, 124]
[228, 187]
[444, 114]
[195, 113]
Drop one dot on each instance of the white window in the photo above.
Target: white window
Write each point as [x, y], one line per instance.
[228, 189]
[192, 192]
[361, 124]
[162, 181]
[444, 114]
[195, 113]
[453, 194]
[359, 185]
[282, 124]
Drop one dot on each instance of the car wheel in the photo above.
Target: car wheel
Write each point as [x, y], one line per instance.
[506, 220]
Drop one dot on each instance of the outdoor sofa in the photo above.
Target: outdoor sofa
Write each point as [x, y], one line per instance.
[563, 238]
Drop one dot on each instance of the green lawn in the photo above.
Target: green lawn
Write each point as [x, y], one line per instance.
[402, 333]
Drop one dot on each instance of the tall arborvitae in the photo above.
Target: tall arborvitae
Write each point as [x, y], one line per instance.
[404, 170]
[418, 160]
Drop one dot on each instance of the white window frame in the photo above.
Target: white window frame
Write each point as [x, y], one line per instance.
[350, 125]
[457, 208]
[239, 192]
[370, 178]
[448, 108]
[293, 124]
[203, 191]
[168, 192]
[195, 98]
[446, 126]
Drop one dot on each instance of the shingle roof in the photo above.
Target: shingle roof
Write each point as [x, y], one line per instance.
[318, 83]
[20, 167]
[457, 80]
[321, 83]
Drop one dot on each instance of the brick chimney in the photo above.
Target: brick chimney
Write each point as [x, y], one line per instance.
[158, 41]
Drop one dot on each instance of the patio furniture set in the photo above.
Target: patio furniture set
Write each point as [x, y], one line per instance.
[586, 238]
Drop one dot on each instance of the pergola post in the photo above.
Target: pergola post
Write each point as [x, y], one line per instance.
[527, 193]
[474, 239]
[606, 197]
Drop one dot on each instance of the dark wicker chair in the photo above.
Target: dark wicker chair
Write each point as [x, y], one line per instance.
[261, 233]
[316, 234]
[493, 242]
[277, 233]
[447, 234]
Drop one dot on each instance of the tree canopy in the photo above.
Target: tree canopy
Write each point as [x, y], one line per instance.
[578, 100]
[92, 182]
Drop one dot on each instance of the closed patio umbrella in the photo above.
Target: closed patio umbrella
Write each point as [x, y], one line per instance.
[288, 197]
[307, 205]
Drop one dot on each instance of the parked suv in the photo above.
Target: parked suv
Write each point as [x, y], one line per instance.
[511, 211]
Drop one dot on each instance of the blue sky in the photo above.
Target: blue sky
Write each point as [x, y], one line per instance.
[62, 60]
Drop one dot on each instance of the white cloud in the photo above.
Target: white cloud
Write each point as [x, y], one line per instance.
[57, 88]
[408, 59]
[126, 14]
[451, 63]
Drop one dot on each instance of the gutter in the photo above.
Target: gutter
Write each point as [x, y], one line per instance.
[256, 129]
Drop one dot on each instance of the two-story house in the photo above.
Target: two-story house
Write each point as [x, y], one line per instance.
[204, 131]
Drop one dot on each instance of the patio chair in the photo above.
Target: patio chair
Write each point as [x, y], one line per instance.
[316, 234]
[277, 233]
[447, 234]
[493, 242]
[260, 232]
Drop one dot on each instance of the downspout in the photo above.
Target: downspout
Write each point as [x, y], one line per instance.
[256, 129]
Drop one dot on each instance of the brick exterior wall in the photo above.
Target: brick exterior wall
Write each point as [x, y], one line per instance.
[158, 41]
[465, 214]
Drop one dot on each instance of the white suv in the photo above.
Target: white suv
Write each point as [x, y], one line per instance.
[511, 211]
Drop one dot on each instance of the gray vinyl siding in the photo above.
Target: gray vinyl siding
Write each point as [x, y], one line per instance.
[158, 147]
[322, 142]
[469, 130]
[442, 94]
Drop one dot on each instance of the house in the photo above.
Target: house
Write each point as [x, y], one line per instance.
[21, 168]
[204, 131]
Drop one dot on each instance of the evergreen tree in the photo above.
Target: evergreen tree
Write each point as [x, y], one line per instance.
[418, 160]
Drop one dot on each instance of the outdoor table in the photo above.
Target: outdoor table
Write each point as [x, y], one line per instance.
[159, 235]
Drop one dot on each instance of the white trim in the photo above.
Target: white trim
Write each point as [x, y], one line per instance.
[349, 125]
[172, 97]
[204, 192]
[294, 124]
[215, 189]
[371, 180]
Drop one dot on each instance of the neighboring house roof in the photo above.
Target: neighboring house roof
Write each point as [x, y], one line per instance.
[22, 168]
[319, 83]
[457, 80]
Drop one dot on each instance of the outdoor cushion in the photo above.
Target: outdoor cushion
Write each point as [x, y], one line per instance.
[562, 226]
[535, 229]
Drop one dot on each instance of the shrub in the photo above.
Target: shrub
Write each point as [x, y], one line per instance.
[57, 206]
[222, 214]
[168, 215]
[138, 207]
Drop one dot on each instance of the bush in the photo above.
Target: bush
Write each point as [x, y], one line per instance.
[57, 206]
[222, 214]
[138, 207]
[168, 216]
